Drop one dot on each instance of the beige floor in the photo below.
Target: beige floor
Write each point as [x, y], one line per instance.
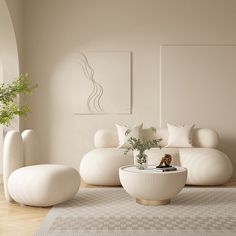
[18, 220]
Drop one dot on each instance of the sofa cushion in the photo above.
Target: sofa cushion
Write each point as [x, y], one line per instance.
[123, 136]
[202, 137]
[206, 166]
[101, 166]
[180, 136]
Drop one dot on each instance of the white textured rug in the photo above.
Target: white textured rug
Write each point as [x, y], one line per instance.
[111, 211]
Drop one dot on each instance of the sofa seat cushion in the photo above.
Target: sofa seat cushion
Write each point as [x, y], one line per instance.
[101, 166]
[43, 185]
[206, 166]
[155, 155]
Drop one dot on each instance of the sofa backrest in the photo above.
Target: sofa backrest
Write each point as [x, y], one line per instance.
[19, 150]
[31, 147]
[13, 157]
[206, 138]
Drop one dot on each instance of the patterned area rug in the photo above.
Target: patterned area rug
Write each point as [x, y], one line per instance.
[111, 211]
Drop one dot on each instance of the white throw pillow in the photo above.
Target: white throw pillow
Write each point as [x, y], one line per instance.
[180, 136]
[135, 132]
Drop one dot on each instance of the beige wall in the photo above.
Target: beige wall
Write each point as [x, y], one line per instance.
[54, 29]
[200, 88]
[15, 8]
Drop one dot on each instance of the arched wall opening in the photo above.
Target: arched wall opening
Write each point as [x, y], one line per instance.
[9, 62]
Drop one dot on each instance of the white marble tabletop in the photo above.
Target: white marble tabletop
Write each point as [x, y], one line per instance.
[151, 169]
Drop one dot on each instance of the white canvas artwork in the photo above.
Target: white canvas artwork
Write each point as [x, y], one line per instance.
[104, 83]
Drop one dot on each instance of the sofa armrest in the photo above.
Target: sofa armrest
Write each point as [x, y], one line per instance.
[205, 138]
[104, 138]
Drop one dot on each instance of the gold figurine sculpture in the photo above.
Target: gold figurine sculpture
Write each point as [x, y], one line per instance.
[165, 161]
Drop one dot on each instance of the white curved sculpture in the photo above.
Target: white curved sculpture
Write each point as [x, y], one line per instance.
[150, 187]
[206, 165]
[34, 185]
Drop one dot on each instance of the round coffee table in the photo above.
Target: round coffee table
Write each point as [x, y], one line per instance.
[151, 187]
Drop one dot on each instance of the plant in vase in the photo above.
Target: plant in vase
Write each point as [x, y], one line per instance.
[139, 147]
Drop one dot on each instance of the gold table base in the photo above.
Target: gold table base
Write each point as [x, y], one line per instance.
[152, 202]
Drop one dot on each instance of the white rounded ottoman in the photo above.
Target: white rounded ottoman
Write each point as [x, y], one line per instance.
[43, 185]
[101, 166]
[150, 187]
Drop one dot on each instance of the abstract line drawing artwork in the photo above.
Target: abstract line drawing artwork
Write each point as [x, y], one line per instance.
[104, 82]
[93, 101]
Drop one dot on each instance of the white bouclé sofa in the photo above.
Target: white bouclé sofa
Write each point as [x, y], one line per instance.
[205, 164]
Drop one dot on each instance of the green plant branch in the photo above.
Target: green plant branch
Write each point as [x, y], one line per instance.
[9, 107]
[139, 145]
